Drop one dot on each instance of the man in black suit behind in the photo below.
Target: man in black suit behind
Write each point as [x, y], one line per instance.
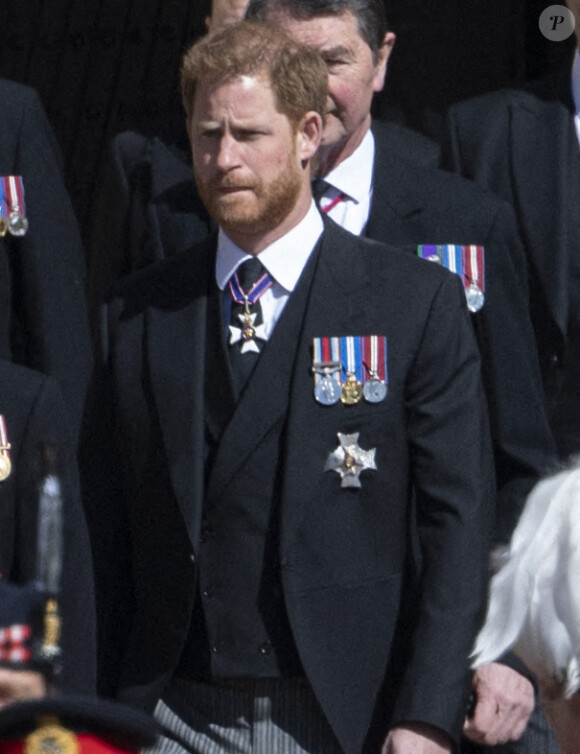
[310, 543]
[43, 317]
[523, 145]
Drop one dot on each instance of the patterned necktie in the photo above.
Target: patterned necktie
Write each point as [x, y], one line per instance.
[319, 189]
[246, 328]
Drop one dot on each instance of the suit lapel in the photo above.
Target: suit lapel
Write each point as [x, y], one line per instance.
[396, 207]
[543, 171]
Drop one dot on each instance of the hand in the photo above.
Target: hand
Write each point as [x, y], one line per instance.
[19, 685]
[504, 703]
[416, 738]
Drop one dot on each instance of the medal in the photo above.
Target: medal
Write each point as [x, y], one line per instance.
[5, 462]
[17, 225]
[350, 460]
[351, 358]
[352, 390]
[3, 227]
[327, 390]
[474, 277]
[249, 331]
[326, 367]
[51, 738]
[374, 390]
[475, 298]
[466, 261]
[374, 348]
[12, 205]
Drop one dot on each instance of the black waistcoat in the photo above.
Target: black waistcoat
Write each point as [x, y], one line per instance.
[240, 627]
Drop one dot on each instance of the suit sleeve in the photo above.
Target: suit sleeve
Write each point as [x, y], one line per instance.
[50, 326]
[524, 448]
[104, 506]
[452, 473]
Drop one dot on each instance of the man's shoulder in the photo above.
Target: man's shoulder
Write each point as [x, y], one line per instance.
[406, 142]
[383, 263]
[15, 95]
[168, 283]
[166, 164]
[444, 198]
[538, 96]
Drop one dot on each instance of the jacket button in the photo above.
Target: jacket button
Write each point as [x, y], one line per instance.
[265, 648]
[192, 557]
[208, 593]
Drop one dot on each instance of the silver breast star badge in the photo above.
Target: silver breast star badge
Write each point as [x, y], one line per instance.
[349, 460]
[247, 333]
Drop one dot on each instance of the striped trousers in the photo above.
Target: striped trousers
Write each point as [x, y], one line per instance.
[265, 716]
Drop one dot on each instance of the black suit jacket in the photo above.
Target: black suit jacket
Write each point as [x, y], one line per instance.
[34, 413]
[152, 211]
[412, 205]
[523, 146]
[371, 659]
[43, 318]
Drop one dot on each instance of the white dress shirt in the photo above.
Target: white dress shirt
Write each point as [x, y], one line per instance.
[353, 178]
[284, 260]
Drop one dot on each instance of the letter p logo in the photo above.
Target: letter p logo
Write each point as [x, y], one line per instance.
[556, 23]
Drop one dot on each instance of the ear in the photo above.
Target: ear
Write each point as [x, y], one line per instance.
[383, 56]
[208, 23]
[308, 135]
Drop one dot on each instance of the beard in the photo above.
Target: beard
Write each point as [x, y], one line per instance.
[261, 208]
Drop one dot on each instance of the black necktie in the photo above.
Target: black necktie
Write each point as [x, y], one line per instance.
[319, 188]
[246, 337]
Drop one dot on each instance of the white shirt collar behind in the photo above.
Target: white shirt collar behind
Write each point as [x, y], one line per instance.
[354, 175]
[576, 90]
[284, 259]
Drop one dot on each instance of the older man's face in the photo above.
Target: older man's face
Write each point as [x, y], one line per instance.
[225, 12]
[353, 74]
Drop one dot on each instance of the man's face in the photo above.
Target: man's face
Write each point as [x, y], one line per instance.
[247, 159]
[353, 75]
[225, 12]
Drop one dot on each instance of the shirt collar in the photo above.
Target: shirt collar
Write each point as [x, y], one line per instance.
[284, 259]
[354, 175]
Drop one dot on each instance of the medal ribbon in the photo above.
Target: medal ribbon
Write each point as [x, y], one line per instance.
[350, 355]
[374, 357]
[475, 266]
[326, 351]
[13, 195]
[466, 261]
[259, 287]
[3, 202]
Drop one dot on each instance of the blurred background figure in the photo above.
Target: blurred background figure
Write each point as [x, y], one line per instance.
[524, 146]
[43, 320]
[33, 418]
